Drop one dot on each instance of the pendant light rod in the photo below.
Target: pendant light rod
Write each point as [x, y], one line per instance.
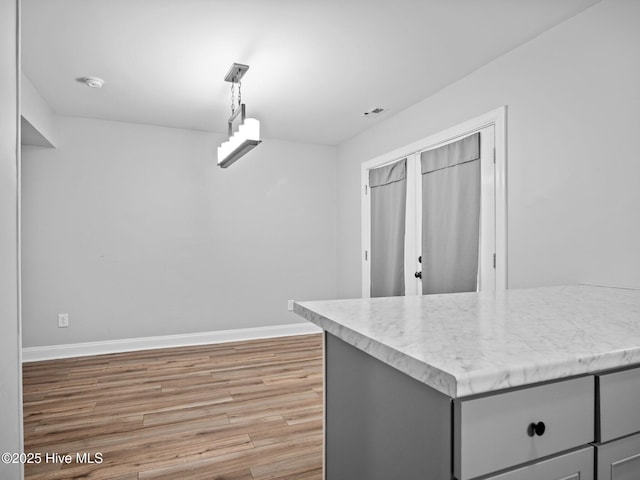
[239, 111]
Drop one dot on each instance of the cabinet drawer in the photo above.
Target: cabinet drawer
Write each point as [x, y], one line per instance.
[619, 460]
[619, 395]
[492, 433]
[576, 465]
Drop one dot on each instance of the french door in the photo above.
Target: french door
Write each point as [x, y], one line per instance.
[421, 275]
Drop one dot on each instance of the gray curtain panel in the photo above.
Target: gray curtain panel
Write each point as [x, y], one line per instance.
[388, 187]
[451, 217]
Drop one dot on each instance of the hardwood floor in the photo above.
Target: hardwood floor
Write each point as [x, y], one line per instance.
[235, 411]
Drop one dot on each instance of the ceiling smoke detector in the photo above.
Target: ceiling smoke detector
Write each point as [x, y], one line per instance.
[93, 82]
[373, 112]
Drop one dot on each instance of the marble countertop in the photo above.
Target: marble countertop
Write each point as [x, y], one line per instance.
[469, 343]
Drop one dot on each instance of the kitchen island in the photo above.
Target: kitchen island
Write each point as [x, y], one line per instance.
[482, 385]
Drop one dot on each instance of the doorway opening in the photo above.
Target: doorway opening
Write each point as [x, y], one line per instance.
[483, 139]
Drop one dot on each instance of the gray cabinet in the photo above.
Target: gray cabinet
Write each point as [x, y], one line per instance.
[382, 424]
[576, 465]
[620, 459]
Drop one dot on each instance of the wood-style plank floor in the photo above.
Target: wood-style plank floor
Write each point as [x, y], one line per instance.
[235, 411]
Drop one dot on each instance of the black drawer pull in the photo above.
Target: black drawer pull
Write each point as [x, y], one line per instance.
[536, 429]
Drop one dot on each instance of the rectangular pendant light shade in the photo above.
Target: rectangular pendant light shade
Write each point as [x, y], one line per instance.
[241, 142]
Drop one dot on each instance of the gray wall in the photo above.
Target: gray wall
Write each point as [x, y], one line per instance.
[38, 115]
[573, 168]
[10, 368]
[134, 231]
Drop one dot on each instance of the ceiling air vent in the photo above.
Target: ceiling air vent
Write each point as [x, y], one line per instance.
[373, 112]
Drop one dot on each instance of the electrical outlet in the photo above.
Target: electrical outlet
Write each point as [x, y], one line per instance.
[290, 305]
[63, 320]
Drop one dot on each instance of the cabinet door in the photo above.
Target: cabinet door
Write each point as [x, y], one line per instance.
[619, 460]
[576, 465]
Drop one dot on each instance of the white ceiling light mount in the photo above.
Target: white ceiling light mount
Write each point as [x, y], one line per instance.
[248, 134]
[93, 82]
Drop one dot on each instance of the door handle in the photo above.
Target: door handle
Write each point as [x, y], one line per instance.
[418, 274]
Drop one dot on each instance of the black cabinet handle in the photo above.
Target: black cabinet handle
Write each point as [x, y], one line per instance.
[418, 274]
[536, 429]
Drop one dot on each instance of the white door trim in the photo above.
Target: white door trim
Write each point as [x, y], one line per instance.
[497, 118]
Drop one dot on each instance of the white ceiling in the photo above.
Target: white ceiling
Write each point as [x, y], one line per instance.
[315, 65]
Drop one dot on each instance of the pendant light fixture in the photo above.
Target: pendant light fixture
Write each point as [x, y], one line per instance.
[248, 134]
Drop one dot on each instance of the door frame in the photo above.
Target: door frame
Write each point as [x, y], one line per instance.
[497, 118]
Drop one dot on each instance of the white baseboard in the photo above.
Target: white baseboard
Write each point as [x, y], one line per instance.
[34, 354]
